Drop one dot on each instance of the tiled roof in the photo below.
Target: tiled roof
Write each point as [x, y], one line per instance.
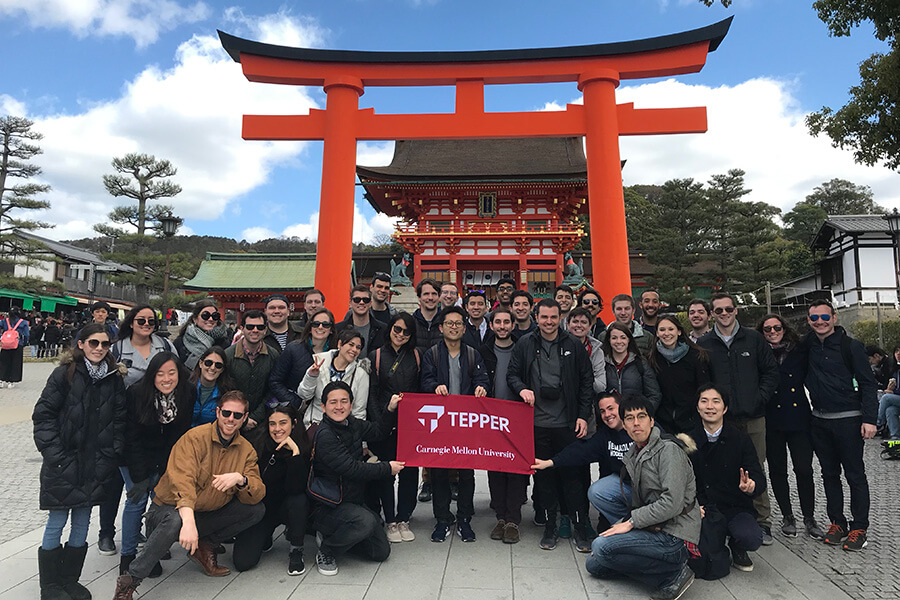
[74, 253]
[525, 158]
[857, 223]
[251, 272]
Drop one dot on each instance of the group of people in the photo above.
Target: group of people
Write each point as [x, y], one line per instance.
[294, 423]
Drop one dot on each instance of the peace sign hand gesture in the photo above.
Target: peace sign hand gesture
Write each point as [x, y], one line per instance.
[314, 368]
[746, 485]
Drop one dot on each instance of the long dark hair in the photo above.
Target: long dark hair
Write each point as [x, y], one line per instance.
[144, 390]
[790, 336]
[307, 329]
[126, 327]
[78, 354]
[261, 440]
[223, 381]
[410, 323]
[632, 345]
[654, 358]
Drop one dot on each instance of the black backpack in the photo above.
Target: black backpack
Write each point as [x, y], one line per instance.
[714, 561]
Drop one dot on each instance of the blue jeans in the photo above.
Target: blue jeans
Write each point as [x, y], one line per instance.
[654, 559]
[606, 496]
[133, 513]
[81, 519]
[889, 412]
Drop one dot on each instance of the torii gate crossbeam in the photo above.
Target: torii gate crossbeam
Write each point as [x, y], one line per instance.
[597, 70]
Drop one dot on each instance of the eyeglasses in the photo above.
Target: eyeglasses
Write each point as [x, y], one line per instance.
[143, 321]
[638, 417]
[322, 324]
[725, 309]
[452, 324]
[206, 316]
[587, 302]
[400, 331]
[213, 363]
[505, 288]
[825, 317]
[95, 342]
[252, 326]
[238, 415]
[770, 328]
[360, 299]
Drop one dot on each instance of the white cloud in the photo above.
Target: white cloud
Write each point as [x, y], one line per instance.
[365, 229]
[282, 28]
[11, 106]
[191, 115]
[141, 20]
[757, 126]
[374, 154]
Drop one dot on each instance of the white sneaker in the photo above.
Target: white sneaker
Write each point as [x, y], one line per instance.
[2, 384]
[405, 533]
[393, 533]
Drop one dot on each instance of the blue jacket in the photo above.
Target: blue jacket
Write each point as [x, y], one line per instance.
[434, 375]
[205, 413]
[606, 447]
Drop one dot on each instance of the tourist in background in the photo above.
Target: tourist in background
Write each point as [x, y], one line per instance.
[13, 339]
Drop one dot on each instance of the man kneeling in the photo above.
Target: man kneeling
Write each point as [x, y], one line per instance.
[651, 545]
[337, 457]
[210, 492]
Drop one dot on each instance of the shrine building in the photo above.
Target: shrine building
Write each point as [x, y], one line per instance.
[476, 210]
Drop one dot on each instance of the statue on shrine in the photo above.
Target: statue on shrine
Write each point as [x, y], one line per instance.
[574, 272]
[398, 271]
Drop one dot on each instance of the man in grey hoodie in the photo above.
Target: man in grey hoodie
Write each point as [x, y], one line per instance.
[652, 546]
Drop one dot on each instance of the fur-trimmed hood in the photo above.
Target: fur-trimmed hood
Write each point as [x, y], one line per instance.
[66, 357]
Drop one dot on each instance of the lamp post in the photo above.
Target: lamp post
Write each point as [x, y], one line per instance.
[170, 225]
[893, 221]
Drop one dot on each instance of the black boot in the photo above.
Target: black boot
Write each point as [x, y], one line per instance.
[70, 571]
[48, 570]
[125, 562]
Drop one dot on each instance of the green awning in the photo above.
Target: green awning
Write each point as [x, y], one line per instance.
[26, 298]
[254, 272]
[49, 303]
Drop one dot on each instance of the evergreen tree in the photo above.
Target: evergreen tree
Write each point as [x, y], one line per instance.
[143, 179]
[18, 148]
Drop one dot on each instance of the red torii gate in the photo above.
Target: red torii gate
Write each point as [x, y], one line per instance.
[597, 69]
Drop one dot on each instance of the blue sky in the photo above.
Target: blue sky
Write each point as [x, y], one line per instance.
[101, 78]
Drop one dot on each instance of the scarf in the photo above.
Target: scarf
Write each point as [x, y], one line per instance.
[197, 341]
[97, 372]
[781, 350]
[166, 407]
[675, 354]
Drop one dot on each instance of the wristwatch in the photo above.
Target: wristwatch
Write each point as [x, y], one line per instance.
[244, 483]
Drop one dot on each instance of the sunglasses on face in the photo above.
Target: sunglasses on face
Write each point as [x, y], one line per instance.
[213, 363]
[94, 343]
[251, 327]
[724, 309]
[361, 299]
[322, 324]
[400, 331]
[238, 415]
[770, 328]
[825, 317]
[587, 302]
[206, 316]
[142, 321]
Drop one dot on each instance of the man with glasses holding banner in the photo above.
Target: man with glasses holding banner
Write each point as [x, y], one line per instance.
[844, 398]
[743, 366]
[210, 492]
[361, 319]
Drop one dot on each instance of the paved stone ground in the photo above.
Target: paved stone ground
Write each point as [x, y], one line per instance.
[453, 570]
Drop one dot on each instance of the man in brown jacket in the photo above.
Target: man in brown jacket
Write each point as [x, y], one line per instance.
[211, 491]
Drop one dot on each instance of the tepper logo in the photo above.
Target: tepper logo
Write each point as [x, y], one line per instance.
[436, 413]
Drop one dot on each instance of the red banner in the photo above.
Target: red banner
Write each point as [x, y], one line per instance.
[465, 432]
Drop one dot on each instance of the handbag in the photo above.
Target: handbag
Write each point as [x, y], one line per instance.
[325, 491]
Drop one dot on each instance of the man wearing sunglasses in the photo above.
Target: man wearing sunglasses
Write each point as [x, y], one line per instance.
[844, 398]
[249, 362]
[361, 318]
[210, 492]
[743, 367]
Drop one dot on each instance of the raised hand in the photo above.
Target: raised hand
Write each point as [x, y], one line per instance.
[527, 396]
[314, 368]
[396, 466]
[290, 444]
[746, 485]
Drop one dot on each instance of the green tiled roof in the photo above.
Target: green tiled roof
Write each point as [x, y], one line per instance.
[254, 272]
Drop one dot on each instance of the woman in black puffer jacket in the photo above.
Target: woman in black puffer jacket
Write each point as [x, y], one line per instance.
[79, 429]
